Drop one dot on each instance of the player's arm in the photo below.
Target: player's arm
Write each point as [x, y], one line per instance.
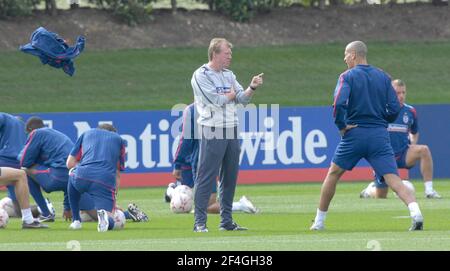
[71, 162]
[341, 95]
[393, 105]
[120, 165]
[66, 204]
[30, 152]
[414, 129]
[117, 180]
[75, 154]
[414, 138]
[186, 143]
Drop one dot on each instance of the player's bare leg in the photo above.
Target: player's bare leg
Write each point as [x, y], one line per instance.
[326, 195]
[18, 178]
[422, 153]
[380, 193]
[329, 186]
[213, 204]
[407, 196]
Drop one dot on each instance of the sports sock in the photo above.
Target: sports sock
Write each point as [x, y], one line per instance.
[428, 187]
[320, 216]
[414, 210]
[27, 216]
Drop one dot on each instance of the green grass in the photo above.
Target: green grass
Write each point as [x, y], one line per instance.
[150, 79]
[287, 210]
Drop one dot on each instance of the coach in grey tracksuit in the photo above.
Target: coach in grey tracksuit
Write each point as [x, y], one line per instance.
[217, 92]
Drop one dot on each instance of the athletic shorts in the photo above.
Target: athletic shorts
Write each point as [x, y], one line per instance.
[373, 144]
[400, 159]
[102, 195]
[50, 179]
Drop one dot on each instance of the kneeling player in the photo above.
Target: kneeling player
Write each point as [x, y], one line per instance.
[404, 135]
[98, 155]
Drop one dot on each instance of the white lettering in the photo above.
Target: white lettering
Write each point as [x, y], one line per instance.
[131, 152]
[164, 145]
[311, 144]
[249, 146]
[296, 136]
[146, 137]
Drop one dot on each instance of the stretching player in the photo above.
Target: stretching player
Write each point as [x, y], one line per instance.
[185, 165]
[364, 103]
[404, 134]
[12, 139]
[98, 155]
[18, 179]
[43, 157]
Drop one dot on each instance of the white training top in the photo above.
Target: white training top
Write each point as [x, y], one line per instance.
[213, 107]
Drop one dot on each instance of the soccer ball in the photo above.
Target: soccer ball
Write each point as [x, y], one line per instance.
[119, 220]
[181, 203]
[7, 204]
[185, 190]
[409, 185]
[4, 218]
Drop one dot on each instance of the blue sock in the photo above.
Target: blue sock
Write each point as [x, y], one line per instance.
[36, 193]
[127, 215]
[111, 223]
[74, 200]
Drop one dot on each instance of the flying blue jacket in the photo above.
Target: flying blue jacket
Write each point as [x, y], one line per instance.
[53, 50]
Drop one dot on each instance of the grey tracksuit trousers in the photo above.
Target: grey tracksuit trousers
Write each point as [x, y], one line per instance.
[219, 154]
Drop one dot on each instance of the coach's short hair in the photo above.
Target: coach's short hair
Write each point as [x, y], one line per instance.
[398, 83]
[34, 123]
[214, 46]
[107, 127]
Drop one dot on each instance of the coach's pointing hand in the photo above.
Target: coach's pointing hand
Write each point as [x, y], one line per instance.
[257, 80]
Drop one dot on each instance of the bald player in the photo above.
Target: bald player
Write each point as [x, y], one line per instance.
[364, 103]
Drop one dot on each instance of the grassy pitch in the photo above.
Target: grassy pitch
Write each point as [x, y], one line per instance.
[283, 224]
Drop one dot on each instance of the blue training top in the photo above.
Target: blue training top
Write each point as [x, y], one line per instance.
[12, 138]
[100, 153]
[364, 96]
[399, 130]
[47, 147]
[188, 146]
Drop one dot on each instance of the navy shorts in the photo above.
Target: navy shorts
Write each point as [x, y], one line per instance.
[102, 195]
[51, 179]
[400, 158]
[373, 144]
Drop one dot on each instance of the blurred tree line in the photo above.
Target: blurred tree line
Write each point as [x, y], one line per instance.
[137, 11]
